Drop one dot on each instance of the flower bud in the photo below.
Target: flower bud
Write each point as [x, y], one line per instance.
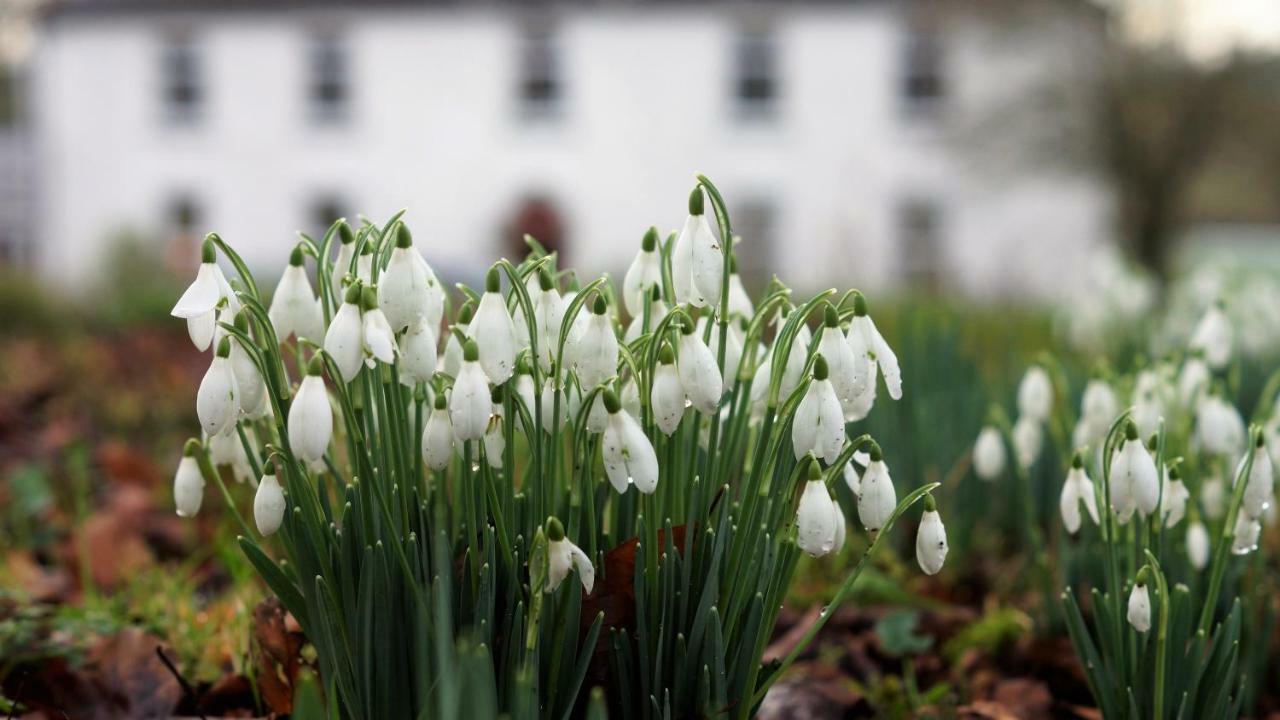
[1140, 606]
[268, 503]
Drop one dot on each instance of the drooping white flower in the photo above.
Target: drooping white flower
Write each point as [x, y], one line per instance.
[1198, 545]
[628, 455]
[342, 262]
[451, 361]
[877, 497]
[495, 443]
[816, 518]
[494, 332]
[548, 317]
[1247, 532]
[218, 400]
[699, 373]
[1135, 483]
[1173, 498]
[434, 308]
[668, 399]
[344, 340]
[1028, 440]
[1260, 486]
[202, 329]
[657, 311]
[1140, 607]
[1213, 336]
[378, 340]
[643, 276]
[931, 539]
[595, 351]
[818, 426]
[201, 298]
[550, 390]
[470, 403]
[988, 454]
[1077, 489]
[268, 502]
[1193, 380]
[630, 397]
[295, 309]
[311, 417]
[1098, 409]
[849, 372]
[418, 353]
[697, 264]
[562, 556]
[851, 478]
[1213, 497]
[1035, 394]
[188, 483]
[253, 390]
[1219, 428]
[732, 349]
[866, 340]
[437, 436]
[1149, 400]
[226, 450]
[740, 304]
[403, 290]
[526, 393]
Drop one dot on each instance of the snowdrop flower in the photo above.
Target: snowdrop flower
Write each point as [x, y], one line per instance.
[668, 399]
[344, 341]
[1219, 428]
[732, 349]
[866, 341]
[657, 311]
[1135, 484]
[739, 301]
[226, 450]
[495, 443]
[418, 353]
[1245, 537]
[188, 482]
[851, 478]
[562, 556]
[818, 426]
[403, 291]
[630, 396]
[816, 517]
[342, 263]
[1149, 401]
[1173, 498]
[643, 276]
[253, 389]
[842, 528]
[1213, 337]
[378, 339]
[1077, 489]
[1193, 380]
[548, 400]
[218, 400]
[699, 373]
[1140, 603]
[311, 417]
[1261, 483]
[1028, 440]
[526, 393]
[595, 351]
[470, 402]
[200, 300]
[494, 332]
[628, 455]
[1213, 497]
[1098, 408]
[697, 264]
[437, 436]
[295, 309]
[452, 360]
[268, 502]
[988, 454]
[877, 498]
[1035, 394]
[797, 357]
[848, 372]
[202, 329]
[931, 539]
[1198, 545]
[548, 312]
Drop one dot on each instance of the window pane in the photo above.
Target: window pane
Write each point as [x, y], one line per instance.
[329, 86]
[755, 68]
[540, 84]
[181, 81]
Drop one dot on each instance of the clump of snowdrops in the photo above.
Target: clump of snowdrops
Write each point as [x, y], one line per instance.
[494, 508]
[1165, 499]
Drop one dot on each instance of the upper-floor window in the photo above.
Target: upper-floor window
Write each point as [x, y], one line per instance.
[755, 74]
[924, 81]
[328, 91]
[182, 86]
[541, 86]
[324, 210]
[920, 243]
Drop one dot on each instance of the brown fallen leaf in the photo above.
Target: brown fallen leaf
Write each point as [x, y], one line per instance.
[276, 655]
[127, 663]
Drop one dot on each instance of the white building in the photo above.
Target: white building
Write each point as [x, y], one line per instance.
[845, 136]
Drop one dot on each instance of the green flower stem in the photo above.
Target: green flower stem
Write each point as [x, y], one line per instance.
[1221, 554]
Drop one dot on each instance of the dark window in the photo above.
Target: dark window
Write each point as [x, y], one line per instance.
[755, 224]
[537, 216]
[182, 227]
[9, 95]
[324, 211]
[755, 73]
[329, 89]
[540, 85]
[182, 91]
[923, 78]
[920, 243]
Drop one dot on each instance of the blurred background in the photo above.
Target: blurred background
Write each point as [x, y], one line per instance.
[1003, 177]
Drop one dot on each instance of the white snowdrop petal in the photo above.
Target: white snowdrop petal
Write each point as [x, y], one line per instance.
[202, 296]
[217, 400]
[188, 487]
[1139, 613]
[470, 403]
[344, 341]
[310, 420]
[437, 440]
[495, 334]
[931, 543]
[988, 454]
[668, 398]
[268, 505]
[816, 524]
[878, 498]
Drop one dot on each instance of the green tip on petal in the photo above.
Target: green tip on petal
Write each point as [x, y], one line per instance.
[1174, 474]
[696, 201]
[470, 351]
[353, 293]
[1260, 442]
[876, 454]
[814, 471]
[655, 294]
[269, 467]
[492, 280]
[1153, 442]
[687, 326]
[611, 402]
[208, 252]
[1077, 460]
[555, 530]
[367, 248]
[930, 505]
[316, 365]
[830, 317]
[820, 369]
[733, 263]
[295, 257]
[441, 401]
[241, 322]
[466, 312]
[224, 347]
[650, 241]
[496, 394]
[1143, 575]
[191, 448]
[404, 238]
[859, 304]
[368, 298]
[1130, 431]
[345, 235]
[524, 366]
[666, 355]
[420, 394]
[600, 306]
[544, 279]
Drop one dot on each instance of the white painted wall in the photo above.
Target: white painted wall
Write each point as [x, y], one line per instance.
[435, 127]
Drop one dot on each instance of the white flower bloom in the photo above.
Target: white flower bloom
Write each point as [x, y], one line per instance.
[205, 292]
[1028, 440]
[631, 397]
[1098, 408]
[818, 426]
[1173, 499]
[851, 478]
[470, 402]
[1213, 337]
[403, 292]
[644, 274]
[848, 372]
[1219, 428]
[1246, 534]
[842, 528]
[1198, 545]
[563, 555]
[1035, 394]
[311, 418]
[1140, 608]
[669, 399]
[699, 373]
[863, 403]
[226, 450]
[988, 454]
[1193, 381]
[437, 436]
[1261, 483]
[877, 498]
[628, 455]
[595, 351]
[931, 541]
[816, 518]
[378, 339]
[218, 400]
[697, 264]
[342, 262]
[526, 393]
[1148, 402]
[295, 309]
[732, 350]
[344, 341]
[434, 309]
[1213, 497]
[1135, 483]
[202, 328]
[1077, 489]
[418, 353]
[495, 443]
[871, 344]
[548, 400]
[188, 486]
[253, 389]
[494, 332]
[657, 311]
[740, 304]
[451, 361]
[548, 312]
[268, 503]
